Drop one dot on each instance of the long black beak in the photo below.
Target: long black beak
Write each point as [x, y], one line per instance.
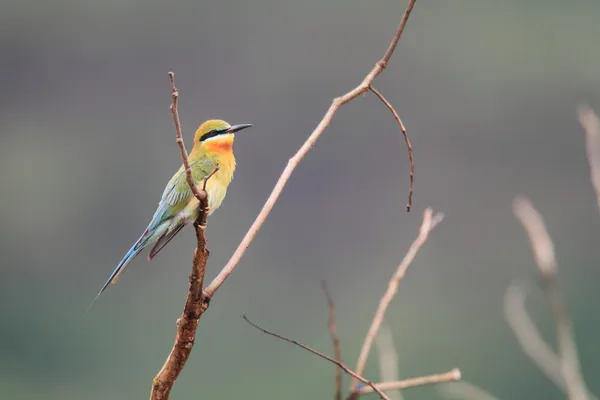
[236, 128]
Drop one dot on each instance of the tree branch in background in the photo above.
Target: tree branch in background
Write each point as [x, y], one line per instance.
[196, 303]
[326, 357]
[429, 223]
[528, 336]
[591, 126]
[337, 351]
[450, 376]
[304, 149]
[543, 250]
[406, 140]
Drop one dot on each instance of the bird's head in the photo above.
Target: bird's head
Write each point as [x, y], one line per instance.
[216, 135]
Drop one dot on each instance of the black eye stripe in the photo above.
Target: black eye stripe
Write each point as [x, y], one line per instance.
[213, 133]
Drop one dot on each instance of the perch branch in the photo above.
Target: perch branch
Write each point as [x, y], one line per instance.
[195, 303]
[336, 341]
[429, 223]
[406, 140]
[450, 376]
[304, 149]
[544, 254]
[179, 138]
[326, 357]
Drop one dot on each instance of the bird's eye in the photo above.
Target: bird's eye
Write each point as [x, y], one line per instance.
[209, 134]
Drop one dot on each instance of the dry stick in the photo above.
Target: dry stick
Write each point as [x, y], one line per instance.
[336, 341]
[326, 357]
[195, 303]
[304, 149]
[528, 336]
[544, 254]
[429, 222]
[406, 139]
[450, 376]
[180, 142]
[591, 125]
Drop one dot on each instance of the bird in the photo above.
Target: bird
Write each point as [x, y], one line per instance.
[213, 146]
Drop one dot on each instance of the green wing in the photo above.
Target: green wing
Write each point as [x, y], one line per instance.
[177, 193]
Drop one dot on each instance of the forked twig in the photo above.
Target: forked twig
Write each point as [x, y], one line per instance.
[528, 336]
[205, 180]
[544, 254]
[198, 301]
[406, 140]
[304, 149]
[326, 357]
[195, 303]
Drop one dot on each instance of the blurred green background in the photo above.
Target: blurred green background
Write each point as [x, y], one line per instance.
[487, 90]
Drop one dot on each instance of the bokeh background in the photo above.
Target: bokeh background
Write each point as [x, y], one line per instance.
[488, 92]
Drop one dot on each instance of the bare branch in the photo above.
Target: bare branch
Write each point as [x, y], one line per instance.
[540, 241]
[205, 180]
[179, 138]
[195, 304]
[449, 376]
[336, 341]
[406, 139]
[429, 223]
[326, 357]
[528, 336]
[544, 254]
[304, 149]
[591, 125]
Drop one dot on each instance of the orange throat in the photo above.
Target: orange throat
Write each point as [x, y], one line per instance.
[221, 145]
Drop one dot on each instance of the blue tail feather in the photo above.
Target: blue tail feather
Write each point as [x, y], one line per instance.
[131, 254]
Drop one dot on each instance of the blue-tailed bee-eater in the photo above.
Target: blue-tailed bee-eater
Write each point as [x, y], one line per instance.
[213, 145]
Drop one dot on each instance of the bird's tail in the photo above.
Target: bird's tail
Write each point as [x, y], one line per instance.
[133, 251]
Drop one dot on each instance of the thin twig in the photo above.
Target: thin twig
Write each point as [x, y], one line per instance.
[195, 303]
[326, 357]
[429, 223]
[528, 336]
[450, 376]
[565, 337]
[541, 244]
[179, 138]
[337, 351]
[544, 253]
[591, 125]
[214, 171]
[406, 139]
[304, 149]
